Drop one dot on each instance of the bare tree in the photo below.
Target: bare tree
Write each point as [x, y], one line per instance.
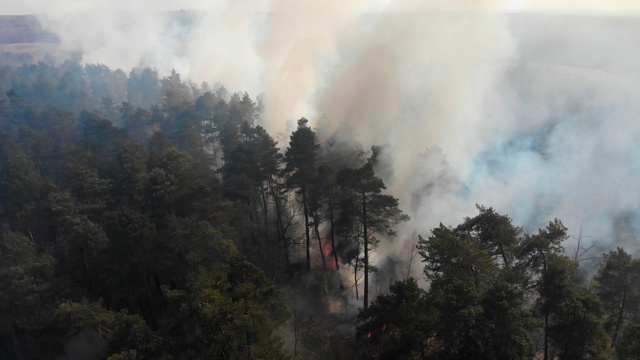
[410, 247]
[581, 251]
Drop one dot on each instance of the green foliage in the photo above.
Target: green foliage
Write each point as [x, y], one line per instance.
[629, 347]
[143, 88]
[26, 299]
[229, 313]
[367, 208]
[25, 276]
[300, 171]
[449, 257]
[132, 174]
[534, 251]
[399, 324]
[99, 142]
[617, 284]
[506, 322]
[125, 335]
[177, 184]
[493, 232]
[119, 223]
[300, 156]
[480, 314]
[20, 182]
[481, 311]
[575, 315]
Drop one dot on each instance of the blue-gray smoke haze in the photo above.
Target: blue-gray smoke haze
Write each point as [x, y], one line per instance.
[535, 115]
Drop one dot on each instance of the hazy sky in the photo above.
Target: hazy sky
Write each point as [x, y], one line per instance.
[17, 7]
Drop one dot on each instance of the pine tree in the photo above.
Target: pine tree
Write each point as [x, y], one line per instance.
[375, 212]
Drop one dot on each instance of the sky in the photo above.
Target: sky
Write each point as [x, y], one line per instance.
[21, 7]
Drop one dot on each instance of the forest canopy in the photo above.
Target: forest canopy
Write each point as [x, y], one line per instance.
[146, 217]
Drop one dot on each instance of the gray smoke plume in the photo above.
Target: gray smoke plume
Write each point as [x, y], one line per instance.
[528, 107]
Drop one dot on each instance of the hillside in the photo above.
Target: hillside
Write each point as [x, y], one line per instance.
[21, 29]
[23, 40]
[144, 216]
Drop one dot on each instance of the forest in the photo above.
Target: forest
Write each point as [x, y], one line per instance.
[143, 216]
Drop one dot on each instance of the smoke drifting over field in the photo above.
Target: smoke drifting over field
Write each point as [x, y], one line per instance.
[536, 114]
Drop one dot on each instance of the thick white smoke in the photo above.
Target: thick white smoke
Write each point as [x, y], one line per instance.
[533, 113]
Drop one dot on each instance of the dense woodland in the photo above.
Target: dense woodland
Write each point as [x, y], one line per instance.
[147, 217]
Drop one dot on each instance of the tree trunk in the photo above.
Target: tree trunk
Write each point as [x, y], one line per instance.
[355, 269]
[504, 257]
[279, 226]
[265, 212]
[620, 313]
[366, 251]
[17, 351]
[546, 337]
[306, 229]
[546, 316]
[333, 243]
[255, 235]
[158, 285]
[154, 321]
[317, 231]
[85, 262]
[412, 255]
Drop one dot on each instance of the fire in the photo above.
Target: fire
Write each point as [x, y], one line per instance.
[335, 306]
[328, 254]
[368, 335]
[384, 327]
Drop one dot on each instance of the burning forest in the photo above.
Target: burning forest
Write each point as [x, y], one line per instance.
[279, 179]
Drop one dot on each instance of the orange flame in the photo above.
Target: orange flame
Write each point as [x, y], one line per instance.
[326, 249]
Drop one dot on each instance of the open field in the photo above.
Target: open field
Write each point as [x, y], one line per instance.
[22, 40]
[23, 29]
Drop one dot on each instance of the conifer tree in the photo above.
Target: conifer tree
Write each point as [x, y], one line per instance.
[376, 213]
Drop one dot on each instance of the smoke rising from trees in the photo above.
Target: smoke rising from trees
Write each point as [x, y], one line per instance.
[534, 113]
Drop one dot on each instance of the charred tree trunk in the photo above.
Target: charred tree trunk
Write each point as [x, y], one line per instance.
[366, 251]
[306, 229]
[317, 231]
[333, 243]
[265, 212]
[281, 234]
[355, 269]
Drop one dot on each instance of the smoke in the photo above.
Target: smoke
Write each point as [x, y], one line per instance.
[528, 107]
[203, 40]
[569, 149]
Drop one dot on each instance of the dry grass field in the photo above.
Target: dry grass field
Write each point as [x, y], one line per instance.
[22, 40]
[23, 29]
